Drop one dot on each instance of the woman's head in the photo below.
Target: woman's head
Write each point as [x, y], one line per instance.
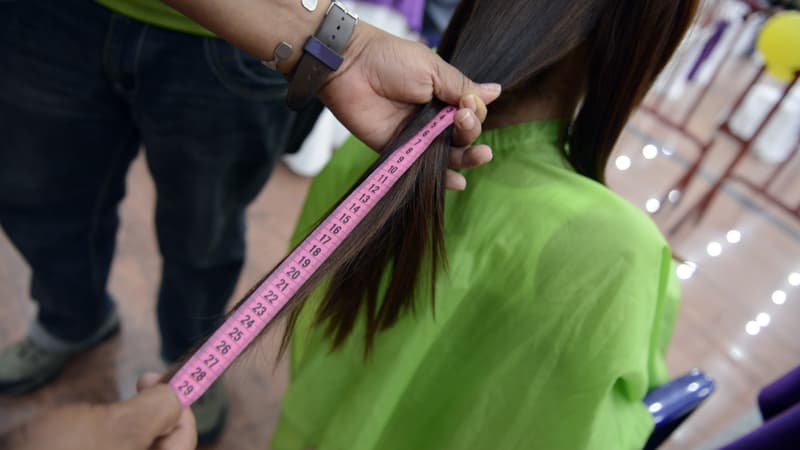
[624, 44]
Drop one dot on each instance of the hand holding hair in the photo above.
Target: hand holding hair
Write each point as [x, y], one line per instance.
[383, 81]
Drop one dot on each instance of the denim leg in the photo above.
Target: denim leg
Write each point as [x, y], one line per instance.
[214, 123]
[67, 143]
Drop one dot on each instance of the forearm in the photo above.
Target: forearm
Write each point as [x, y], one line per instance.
[257, 26]
[67, 426]
[9, 440]
[19, 438]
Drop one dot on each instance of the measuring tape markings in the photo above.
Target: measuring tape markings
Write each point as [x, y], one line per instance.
[266, 301]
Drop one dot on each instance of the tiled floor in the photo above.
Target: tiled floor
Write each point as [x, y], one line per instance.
[736, 286]
[719, 299]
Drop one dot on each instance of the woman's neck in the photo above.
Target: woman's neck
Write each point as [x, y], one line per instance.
[553, 95]
[521, 109]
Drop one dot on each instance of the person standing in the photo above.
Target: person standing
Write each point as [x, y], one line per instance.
[86, 84]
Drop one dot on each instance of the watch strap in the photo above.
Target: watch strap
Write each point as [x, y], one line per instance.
[321, 55]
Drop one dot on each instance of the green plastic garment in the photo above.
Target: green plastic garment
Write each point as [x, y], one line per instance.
[550, 325]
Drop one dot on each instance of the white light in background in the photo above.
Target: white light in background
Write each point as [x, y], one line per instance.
[650, 151]
[733, 236]
[752, 328]
[674, 195]
[794, 279]
[736, 353]
[779, 297]
[686, 270]
[714, 248]
[652, 205]
[762, 319]
[667, 151]
[623, 163]
[655, 407]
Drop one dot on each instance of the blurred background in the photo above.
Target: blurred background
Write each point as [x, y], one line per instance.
[711, 155]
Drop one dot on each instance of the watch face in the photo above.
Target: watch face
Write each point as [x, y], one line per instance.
[310, 5]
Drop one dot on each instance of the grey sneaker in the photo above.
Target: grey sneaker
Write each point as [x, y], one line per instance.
[27, 365]
[210, 413]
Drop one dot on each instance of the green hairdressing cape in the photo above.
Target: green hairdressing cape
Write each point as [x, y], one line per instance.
[550, 324]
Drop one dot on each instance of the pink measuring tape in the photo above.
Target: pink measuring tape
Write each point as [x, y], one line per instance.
[247, 321]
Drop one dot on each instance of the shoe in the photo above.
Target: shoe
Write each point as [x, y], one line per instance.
[211, 413]
[26, 365]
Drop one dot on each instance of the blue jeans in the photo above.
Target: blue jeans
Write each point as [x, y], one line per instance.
[81, 90]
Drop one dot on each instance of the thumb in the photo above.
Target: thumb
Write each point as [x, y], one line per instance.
[153, 412]
[449, 84]
[148, 379]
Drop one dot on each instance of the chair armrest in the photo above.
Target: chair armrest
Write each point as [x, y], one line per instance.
[673, 402]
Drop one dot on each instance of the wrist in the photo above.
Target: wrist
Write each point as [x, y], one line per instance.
[258, 26]
[323, 54]
[308, 24]
[362, 33]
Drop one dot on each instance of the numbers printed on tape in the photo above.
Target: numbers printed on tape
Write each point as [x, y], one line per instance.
[266, 301]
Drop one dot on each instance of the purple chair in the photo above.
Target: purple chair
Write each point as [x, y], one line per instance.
[780, 395]
[673, 402]
[779, 403]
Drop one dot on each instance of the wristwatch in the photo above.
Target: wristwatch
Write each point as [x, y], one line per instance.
[321, 54]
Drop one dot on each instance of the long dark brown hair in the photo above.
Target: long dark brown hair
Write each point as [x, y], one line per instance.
[378, 271]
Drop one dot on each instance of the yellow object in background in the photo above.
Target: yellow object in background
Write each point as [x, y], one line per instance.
[779, 42]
